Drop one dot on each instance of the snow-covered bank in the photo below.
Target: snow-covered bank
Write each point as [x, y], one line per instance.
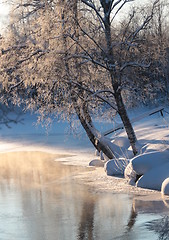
[152, 134]
[153, 158]
[152, 161]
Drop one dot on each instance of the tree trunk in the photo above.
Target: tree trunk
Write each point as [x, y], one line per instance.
[92, 133]
[114, 72]
[81, 108]
[126, 121]
[167, 72]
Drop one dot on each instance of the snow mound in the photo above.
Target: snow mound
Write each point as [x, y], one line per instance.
[130, 174]
[145, 162]
[96, 163]
[115, 167]
[165, 187]
[154, 178]
[142, 164]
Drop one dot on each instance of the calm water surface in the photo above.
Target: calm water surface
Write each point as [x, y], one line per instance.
[39, 201]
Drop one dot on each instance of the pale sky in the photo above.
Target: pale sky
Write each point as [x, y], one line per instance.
[4, 10]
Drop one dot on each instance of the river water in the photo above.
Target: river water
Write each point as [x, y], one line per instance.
[40, 200]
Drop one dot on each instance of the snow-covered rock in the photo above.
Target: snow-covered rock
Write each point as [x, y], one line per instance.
[96, 163]
[115, 167]
[154, 178]
[145, 162]
[130, 174]
[165, 187]
[142, 164]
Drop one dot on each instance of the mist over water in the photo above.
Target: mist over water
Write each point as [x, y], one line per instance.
[40, 200]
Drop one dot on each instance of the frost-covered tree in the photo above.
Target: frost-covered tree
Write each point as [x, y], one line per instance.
[159, 37]
[150, 85]
[69, 57]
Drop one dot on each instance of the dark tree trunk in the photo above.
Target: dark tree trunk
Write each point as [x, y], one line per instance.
[82, 108]
[86, 122]
[126, 121]
[115, 79]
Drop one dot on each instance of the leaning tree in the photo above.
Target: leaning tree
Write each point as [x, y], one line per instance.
[67, 57]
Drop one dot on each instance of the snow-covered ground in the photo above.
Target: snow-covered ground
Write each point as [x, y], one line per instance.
[153, 159]
[152, 133]
[30, 136]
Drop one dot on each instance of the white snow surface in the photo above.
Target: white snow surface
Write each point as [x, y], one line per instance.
[154, 178]
[153, 158]
[115, 167]
[130, 174]
[145, 162]
[165, 187]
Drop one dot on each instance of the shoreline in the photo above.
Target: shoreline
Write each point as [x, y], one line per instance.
[94, 177]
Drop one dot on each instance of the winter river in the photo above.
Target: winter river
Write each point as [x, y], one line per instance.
[41, 200]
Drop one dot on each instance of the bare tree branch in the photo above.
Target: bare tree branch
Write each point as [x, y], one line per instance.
[15, 86]
[134, 64]
[143, 25]
[92, 6]
[17, 47]
[93, 93]
[91, 38]
[120, 7]
[89, 58]
[19, 62]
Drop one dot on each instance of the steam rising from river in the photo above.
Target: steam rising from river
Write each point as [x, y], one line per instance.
[37, 168]
[40, 198]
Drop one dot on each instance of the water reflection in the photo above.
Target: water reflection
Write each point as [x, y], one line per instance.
[39, 200]
[151, 216]
[161, 227]
[36, 197]
[86, 225]
[132, 219]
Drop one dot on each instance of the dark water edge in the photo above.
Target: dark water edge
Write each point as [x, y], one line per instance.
[40, 201]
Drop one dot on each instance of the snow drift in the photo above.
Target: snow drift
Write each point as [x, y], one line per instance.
[145, 162]
[165, 187]
[115, 167]
[154, 178]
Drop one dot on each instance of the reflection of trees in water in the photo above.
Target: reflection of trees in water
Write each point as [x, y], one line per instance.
[132, 219]
[161, 227]
[43, 196]
[86, 224]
